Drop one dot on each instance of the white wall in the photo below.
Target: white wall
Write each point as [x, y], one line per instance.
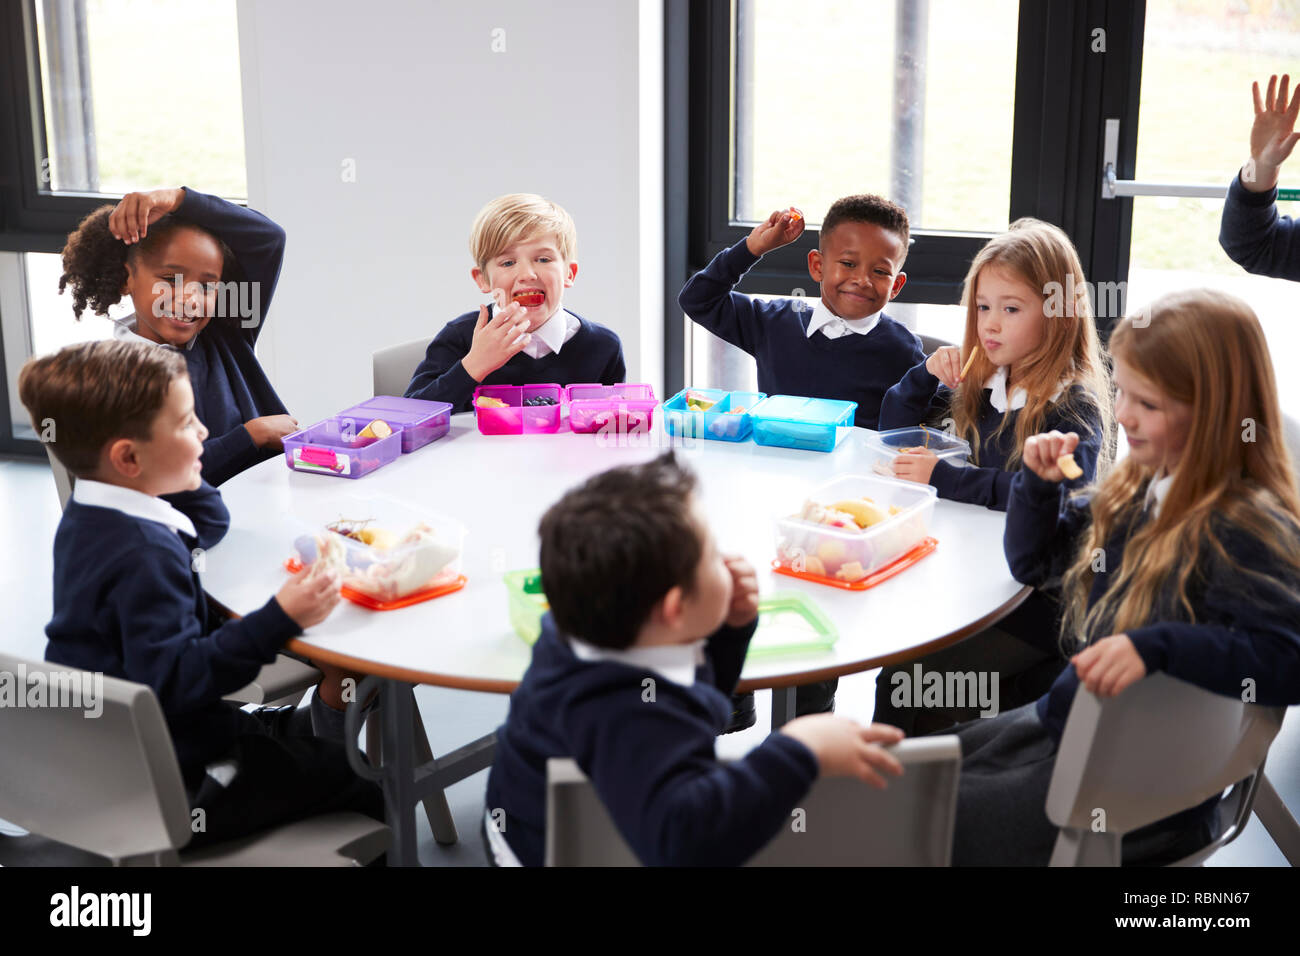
[437, 124]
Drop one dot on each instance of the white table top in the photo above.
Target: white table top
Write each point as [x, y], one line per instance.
[499, 486]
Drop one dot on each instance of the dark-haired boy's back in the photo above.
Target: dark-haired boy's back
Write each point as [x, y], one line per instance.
[646, 740]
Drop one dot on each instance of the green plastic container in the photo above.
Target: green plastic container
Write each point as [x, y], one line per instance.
[789, 622]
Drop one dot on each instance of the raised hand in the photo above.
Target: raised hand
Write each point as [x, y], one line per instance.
[1272, 135]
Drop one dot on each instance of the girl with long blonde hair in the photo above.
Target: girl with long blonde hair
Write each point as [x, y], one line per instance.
[1035, 366]
[1185, 558]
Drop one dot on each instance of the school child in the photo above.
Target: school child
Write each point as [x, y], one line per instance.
[128, 603]
[843, 347]
[1037, 367]
[525, 251]
[644, 603]
[201, 273]
[1185, 558]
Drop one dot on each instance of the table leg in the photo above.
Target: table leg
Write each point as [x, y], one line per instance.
[782, 705]
[399, 772]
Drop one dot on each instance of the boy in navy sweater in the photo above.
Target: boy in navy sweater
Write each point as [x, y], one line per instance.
[844, 347]
[525, 255]
[152, 244]
[128, 602]
[647, 634]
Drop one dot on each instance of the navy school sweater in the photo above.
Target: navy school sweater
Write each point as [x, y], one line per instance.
[230, 386]
[1245, 628]
[920, 398]
[652, 762]
[594, 354]
[127, 603]
[1256, 237]
[854, 368]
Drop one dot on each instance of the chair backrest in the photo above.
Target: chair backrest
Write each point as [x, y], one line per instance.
[99, 772]
[1161, 746]
[843, 821]
[930, 342]
[63, 480]
[394, 366]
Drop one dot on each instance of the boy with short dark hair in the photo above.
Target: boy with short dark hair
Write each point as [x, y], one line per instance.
[128, 603]
[525, 251]
[647, 634]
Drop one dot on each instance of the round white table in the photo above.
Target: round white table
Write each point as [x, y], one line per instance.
[498, 487]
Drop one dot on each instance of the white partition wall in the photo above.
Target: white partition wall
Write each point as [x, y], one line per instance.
[375, 132]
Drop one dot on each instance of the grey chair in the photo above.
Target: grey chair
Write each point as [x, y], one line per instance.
[1160, 747]
[929, 342]
[110, 786]
[844, 821]
[393, 367]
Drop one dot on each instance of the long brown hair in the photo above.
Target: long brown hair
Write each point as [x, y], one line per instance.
[1206, 349]
[1041, 255]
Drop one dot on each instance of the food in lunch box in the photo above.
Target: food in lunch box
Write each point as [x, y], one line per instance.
[851, 571]
[736, 411]
[540, 400]
[487, 401]
[385, 567]
[863, 510]
[699, 403]
[376, 429]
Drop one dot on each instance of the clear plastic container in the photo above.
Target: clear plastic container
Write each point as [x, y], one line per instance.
[626, 408]
[792, 421]
[517, 418]
[527, 603]
[851, 555]
[422, 422]
[408, 569]
[883, 447]
[721, 422]
[332, 447]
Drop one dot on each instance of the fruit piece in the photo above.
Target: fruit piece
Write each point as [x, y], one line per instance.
[831, 551]
[529, 298]
[376, 429]
[863, 512]
[813, 565]
[895, 510]
[737, 411]
[795, 214]
[487, 401]
[380, 538]
[1069, 467]
[699, 403]
[851, 571]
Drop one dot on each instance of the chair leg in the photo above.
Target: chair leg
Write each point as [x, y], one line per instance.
[435, 804]
[374, 736]
[1278, 821]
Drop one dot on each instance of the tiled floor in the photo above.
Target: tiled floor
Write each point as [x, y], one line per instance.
[452, 718]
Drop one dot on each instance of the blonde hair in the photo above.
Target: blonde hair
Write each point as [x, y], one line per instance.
[1205, 349]
[1042, 256]
[511, 218]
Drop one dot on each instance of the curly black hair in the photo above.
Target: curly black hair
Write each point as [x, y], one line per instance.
[871, 209]
[94, 261]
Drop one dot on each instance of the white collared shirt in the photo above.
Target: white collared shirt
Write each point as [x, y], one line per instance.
[137, 504]
[674, 662]
[832, 326]
[997, 383]
[552, 334]
[124, 330]
[1157, 491]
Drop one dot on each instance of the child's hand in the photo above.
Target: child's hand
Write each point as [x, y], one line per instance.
[844, 748]
[1271, 136]
[780, 229]
[309, 596]
[496, 340]
[131, 220]
[945, 365]
[1109, 666]
[916, 465]
[269, 431]
[744, 591]
[1042, 451]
